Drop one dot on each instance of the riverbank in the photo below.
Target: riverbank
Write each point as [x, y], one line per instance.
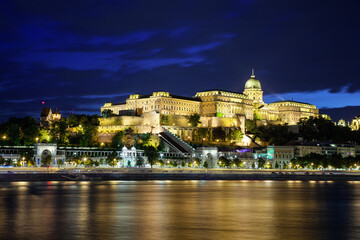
[136, 174]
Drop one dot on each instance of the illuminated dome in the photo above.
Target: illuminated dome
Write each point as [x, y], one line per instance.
[252, 83]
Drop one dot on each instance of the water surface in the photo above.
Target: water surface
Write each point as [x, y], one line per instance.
[180, 210]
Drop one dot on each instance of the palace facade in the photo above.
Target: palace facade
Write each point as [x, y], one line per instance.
[212, 106]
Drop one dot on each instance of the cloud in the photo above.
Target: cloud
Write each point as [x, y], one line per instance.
[131, 38]
[201, 48]
[179, 31]
[74, 60]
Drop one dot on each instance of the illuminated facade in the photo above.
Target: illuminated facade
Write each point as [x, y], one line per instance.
[355, 124]
[211, 105]
[47, 117]
[291, 111]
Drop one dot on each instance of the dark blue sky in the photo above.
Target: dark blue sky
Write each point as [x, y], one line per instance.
[80, 54]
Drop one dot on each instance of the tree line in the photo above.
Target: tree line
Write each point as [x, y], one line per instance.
[77, 129]
[319, 161]
[310, 129]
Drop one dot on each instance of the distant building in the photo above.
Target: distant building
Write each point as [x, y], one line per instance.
[47, 117]
[355, 124]
[56, 115]
[342, 123]
[325, 116]
[280, 155]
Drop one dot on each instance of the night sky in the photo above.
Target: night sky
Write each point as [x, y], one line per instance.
[77, 55]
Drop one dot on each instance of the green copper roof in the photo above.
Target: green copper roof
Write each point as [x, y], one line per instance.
[252, 83]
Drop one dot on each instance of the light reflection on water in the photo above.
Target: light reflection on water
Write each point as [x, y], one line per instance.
[180, 210]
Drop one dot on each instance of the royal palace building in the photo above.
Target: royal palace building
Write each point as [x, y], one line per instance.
[215, 107]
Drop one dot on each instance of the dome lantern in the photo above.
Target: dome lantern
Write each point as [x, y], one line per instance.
[253, 83]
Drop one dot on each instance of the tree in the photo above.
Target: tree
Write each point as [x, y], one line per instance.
[87, 129]
[276, 165]
[219, 133]
[58, 131]
[14, 134]
[174, 164]
[2, 160]
[237, 162]
[206, 165]
[46, 160]
[194, 120]
[224, 162]
[8, 162]
[203, 134]
[18, 163]
[88, 162]
[236, 134]
[44, 135]
[250, 126]
[29, 129]
[161, 146]
[27, 156]
[76, 161]
[112, 159]
[129, 140]
[152, 155]
[183, 164]
[20, 130]
[164, 119]
[257, 116]
[261, 163]
[59, 162]
[73, 120]
[197, 162]
[140, 162]
[162, 163]
[89, 137]
[117, 140]
[144, 139]
[107, 113]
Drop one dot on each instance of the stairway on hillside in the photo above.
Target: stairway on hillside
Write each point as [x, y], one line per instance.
[175, 141]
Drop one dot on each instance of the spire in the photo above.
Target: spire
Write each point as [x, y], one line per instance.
[252, 74]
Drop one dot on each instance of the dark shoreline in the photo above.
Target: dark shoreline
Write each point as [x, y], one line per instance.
[275, 176]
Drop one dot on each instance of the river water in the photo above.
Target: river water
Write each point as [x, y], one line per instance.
[180, 210]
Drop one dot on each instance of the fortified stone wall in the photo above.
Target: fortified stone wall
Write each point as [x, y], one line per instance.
[182, 121]
[150, 122]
